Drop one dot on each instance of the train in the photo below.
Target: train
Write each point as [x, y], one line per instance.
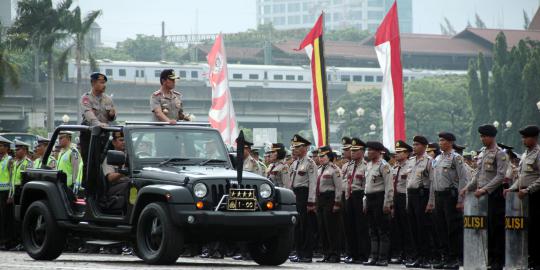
[241, 75]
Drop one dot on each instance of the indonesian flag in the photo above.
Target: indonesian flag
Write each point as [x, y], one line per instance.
[313, 45]
[388, 49]
[221, 115]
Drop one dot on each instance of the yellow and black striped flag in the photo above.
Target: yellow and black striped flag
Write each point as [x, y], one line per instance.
[313, 45]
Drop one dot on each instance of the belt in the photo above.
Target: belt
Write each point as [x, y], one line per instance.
[374, 194]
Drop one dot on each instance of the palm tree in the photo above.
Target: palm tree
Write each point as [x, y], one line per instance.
[44, 26]
[79, 28]
[9, 69]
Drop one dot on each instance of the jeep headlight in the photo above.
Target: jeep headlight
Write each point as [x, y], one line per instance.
[265, 191]
[200, 190]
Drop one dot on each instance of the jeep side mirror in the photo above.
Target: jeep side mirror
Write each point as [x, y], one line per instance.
[116, 158]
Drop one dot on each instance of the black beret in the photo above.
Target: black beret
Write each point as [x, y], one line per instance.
[168, 74]
[403, 146]
[377, 146]
[246, 143]
[447, 136]
[277, 147]
[98, 76]
[325, 150]
[420, 139]
[487, 130]
[459, 148]
[298, 140]
[357, 144]
[346, 142]
[529, 131]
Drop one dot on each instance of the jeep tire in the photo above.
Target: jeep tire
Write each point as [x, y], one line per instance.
[41, 236]
[273, 251]
[159, 241]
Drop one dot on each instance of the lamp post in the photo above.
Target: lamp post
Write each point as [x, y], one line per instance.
[538, 105]
[340, 112]
[372, 127]
[360, 112]
[508, 124]
[65, 119]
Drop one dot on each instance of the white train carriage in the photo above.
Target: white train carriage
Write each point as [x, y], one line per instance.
[265, 76]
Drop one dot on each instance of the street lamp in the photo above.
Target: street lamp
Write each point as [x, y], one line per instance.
[360, 112]
[538, 105]
[508, 124]
[372, 127]
[496, 124]
[65, 119]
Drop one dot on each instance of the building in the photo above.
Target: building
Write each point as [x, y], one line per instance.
[8, 12]
[360, 14]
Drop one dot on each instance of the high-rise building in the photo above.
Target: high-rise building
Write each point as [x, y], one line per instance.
[8, 12]
[360, 14]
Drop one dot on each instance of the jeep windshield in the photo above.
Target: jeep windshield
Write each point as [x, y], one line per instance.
[164, 147]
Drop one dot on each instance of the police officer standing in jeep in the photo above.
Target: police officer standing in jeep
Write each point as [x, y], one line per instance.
[166, 103]
[97, 107]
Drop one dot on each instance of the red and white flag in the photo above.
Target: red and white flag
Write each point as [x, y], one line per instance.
[221, 115]
[388, 49]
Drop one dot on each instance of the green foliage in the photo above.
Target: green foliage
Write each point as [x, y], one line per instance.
[475, 94]
[431, 105]
[146, 48]
[112, 54]
[526, 20]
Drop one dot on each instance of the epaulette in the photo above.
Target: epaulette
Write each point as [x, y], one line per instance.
[157, 93]
[411, 158]
[176, 93]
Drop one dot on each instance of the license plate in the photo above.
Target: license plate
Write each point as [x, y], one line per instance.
[241, 200]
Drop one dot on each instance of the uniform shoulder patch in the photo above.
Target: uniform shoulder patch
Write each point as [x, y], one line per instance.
[85, 99]
[156, 93]
[459, 159]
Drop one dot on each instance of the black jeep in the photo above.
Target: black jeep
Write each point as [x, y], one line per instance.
[183, 190]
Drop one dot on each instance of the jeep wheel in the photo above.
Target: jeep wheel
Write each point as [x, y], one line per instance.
[273, 251]
[159, 241]
[41, 236]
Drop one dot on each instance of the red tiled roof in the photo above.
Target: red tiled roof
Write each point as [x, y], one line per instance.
[512, 36]
[535, 23]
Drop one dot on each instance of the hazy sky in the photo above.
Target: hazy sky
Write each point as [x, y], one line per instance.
[123, 19]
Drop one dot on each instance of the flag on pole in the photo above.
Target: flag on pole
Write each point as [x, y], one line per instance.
[221, 115]
[314, 47]
[388, 49]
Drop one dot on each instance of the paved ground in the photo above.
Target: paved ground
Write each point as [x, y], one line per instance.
[20, 260]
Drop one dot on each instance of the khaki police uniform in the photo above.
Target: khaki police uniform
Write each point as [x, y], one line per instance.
[96, 109]
[379, 194]
[529, 179]
[170, 104]
[251, 165]
[419, 172]
[278, 173]
[492, 166]
[449, 176]
[329, 192]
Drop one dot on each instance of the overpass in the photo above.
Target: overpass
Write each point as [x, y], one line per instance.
[286, 109]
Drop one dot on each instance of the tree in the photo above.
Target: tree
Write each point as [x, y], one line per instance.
[9, 68]
[500, 50]
[526, 20]
[79, 28]
[475, 96]
[531, 86]
[479, 23]
[142, 48]
[484, 86]
[45, 26]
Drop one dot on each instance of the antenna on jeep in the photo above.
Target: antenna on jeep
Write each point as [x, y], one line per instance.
[240, 141]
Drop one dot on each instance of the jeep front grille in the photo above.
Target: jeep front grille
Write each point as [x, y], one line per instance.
[218, 190]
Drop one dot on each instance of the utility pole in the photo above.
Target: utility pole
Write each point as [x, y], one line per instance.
[162, 41]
